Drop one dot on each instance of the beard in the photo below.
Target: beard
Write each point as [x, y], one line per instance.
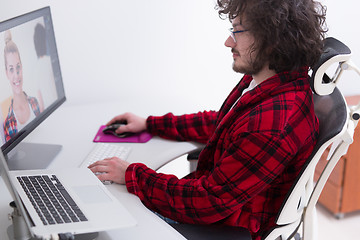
[253, 66]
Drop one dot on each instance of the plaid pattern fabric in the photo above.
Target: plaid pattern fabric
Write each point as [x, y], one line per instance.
[254, 151]
[10, 124]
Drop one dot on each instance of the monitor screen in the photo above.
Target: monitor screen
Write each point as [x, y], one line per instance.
[31, 86]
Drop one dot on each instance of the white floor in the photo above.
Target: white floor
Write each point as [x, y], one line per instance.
[329, 227]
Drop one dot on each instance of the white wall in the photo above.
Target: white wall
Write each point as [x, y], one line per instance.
[165, 55]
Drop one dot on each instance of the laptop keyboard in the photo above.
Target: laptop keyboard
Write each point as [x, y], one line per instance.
[50, 199]
[106, 150]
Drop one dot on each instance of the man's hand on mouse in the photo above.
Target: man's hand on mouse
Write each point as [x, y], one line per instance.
[113, 169]
[134, 123]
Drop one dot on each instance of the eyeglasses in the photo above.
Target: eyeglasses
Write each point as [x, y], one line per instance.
[232, 33]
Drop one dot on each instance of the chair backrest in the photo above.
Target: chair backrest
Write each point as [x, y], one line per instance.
[332, 112]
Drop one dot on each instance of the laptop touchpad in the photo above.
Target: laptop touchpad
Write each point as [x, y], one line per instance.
[91, 194]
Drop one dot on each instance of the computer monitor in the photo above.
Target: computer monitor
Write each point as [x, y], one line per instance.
[31, 86]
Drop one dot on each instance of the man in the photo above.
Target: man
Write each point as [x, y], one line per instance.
[257, 143]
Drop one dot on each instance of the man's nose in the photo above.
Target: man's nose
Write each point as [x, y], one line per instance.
[230, 42]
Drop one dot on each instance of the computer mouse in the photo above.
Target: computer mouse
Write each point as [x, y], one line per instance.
[112, 128]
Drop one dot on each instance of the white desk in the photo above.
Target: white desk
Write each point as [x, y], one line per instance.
[74, 127]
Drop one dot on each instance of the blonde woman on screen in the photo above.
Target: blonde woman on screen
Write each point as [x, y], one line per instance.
[23, 108]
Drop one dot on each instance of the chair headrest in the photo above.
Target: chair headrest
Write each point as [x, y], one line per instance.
[334, 52]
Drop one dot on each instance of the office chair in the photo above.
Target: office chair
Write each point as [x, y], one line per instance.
[337, 123]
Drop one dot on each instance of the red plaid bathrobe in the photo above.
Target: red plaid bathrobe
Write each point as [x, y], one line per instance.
[254, 151]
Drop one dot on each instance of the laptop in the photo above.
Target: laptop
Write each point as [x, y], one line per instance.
[92, 207]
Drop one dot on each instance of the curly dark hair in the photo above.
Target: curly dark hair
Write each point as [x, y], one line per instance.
[288, 33]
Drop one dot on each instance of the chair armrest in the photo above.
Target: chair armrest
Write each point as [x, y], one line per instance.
[194, 155]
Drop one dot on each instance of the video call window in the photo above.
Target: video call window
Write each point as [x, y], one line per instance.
[27, 80]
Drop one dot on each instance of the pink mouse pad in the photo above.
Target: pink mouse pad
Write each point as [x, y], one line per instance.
[141, 137]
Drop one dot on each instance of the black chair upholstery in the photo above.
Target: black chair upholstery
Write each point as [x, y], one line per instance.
[332, 115]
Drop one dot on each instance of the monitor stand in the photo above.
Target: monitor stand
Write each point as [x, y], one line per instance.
[32, 156]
